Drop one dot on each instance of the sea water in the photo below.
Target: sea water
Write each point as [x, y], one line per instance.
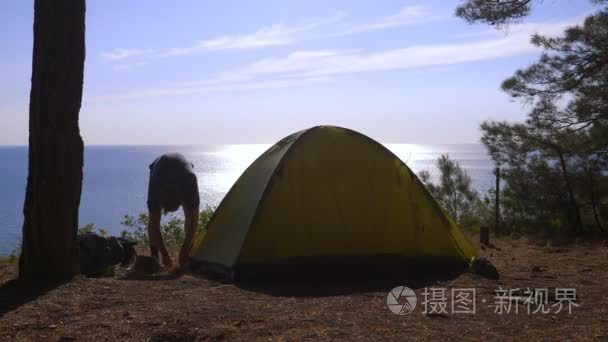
[116, 177]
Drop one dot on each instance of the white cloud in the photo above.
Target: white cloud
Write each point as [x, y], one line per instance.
[119, 54]
[308, 67]
[268, 36]
[282, 34]
[128, 67]
[271, 36]
[408, 15]
[185, 90]
[121, 67]
[333, 62]
[274, 35]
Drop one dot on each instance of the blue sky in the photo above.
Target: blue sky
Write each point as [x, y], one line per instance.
[207, 72]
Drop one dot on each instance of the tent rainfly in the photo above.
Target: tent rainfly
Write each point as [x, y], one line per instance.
[327, 197]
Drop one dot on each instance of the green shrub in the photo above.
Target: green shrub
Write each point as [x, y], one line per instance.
[90, 228]
[454, 192]
[136, 228]
[205, 217]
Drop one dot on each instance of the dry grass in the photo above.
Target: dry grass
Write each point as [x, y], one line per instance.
[187, 308]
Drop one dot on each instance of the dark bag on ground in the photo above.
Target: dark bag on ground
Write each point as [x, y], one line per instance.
[98, 253]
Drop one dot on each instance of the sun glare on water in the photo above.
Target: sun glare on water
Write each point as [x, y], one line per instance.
[229, 163]
[409, 152]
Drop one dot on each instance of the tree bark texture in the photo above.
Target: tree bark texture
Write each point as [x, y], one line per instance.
[49, 250]
[573, 203]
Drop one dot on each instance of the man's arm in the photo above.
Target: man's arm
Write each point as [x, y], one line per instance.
[156, 238]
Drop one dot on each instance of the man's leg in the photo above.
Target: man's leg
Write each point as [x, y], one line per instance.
[190, 227]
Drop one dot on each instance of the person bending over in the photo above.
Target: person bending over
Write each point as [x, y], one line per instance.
[172, 184]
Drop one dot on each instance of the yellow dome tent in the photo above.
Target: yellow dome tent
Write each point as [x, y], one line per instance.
[326, 196]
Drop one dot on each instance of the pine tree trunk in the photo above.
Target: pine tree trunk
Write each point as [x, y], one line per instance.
[594, 201]
[497, 229]
[573, 203]
[49, 250]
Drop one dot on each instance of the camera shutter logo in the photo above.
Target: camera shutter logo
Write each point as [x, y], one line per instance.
[401, 300]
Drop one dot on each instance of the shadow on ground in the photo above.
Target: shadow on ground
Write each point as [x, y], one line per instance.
[318, 285]
[14, 294]
[139, 276]
[137, 273]
[328, 288]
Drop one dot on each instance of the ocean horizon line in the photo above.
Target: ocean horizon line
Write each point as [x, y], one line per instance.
[239, 143]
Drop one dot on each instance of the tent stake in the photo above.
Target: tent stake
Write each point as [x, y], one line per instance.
[497, 229]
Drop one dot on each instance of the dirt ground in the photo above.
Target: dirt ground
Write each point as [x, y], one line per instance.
[189, 308]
